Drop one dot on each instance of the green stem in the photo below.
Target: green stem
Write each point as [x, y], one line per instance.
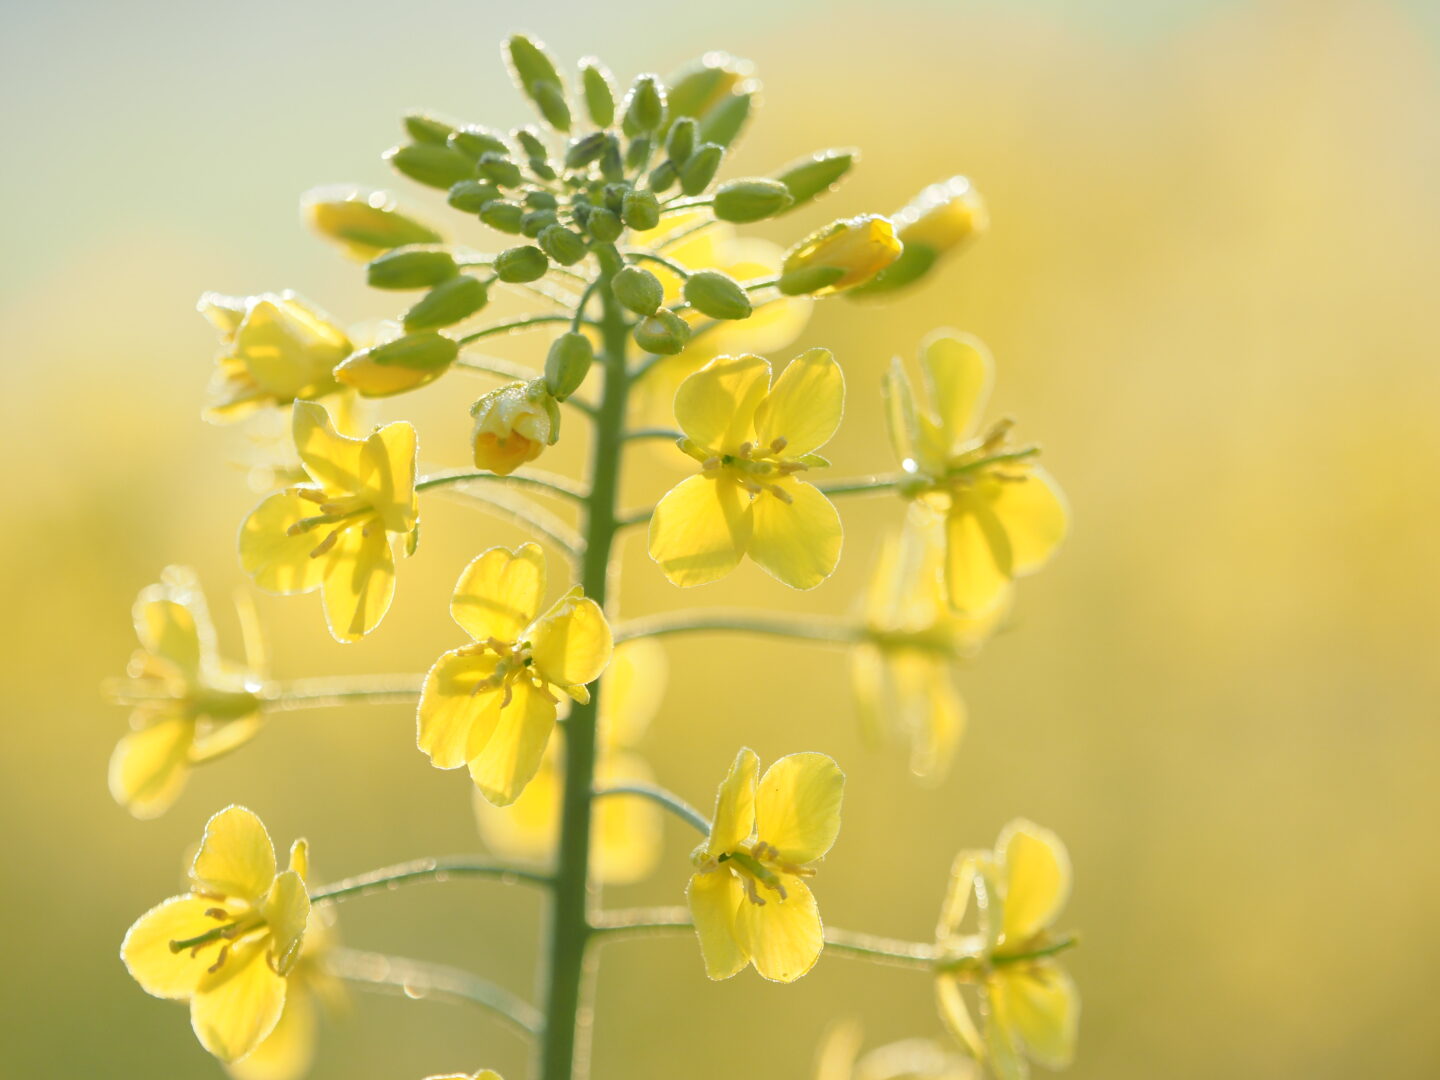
[833, 631]
[494, 365]
[321, 693]
[669, 800]
[527, 323]
[660, 260]
[551, 483]
[523, 512]
[429, 869]
[653, 433]
[865, 485]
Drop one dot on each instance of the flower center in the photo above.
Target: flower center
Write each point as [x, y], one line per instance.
[232, 925]
[757, 468]
[513, 663]
[758, 866]
[343, 512]
[982, 460]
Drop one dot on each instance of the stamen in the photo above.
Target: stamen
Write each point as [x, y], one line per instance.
[781, 494]
[219, 960]
[747, 448]
[778, 443]
[326, 544]
[217, 913]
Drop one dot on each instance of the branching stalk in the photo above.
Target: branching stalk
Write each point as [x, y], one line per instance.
[428, 869]
[669, 800]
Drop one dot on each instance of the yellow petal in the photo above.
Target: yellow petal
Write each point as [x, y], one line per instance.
[512, 756]
[716, 406]
[734, 806]
[926, 708]
[235, 858]
[1035, 518]
[902, 422]
[168, 627]
[700, 529]
[715, 900]
[332, 459]
[288, 347]
[963, 871]
[300, 858]
[631, 691]
[286, 910]
[276, 560]
[149, 767]
[798, 542]
[454, 720]
[146, 949]
[627, 830]
[236, 1007]
[1038, 1003]
[804, 406]
[387, 475]
[289, 1050]
[359, 581]
[571, 644]
[797, 807]
[956, 1015]
[977, 557]
[1037, 878]
[499, 593]
[783, 937]
[529, 827]
[958, 374]
[1003, 1052]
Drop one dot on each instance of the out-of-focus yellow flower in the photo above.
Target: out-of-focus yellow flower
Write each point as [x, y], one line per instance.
[1004, 515]
[752, 440]
[626, 830]
[903, 670]
[941, 219]
[514, 424]
[909, 1059]
[188, 705]
[748, 895]
[364, 223]
[277, 348]
[227, 945]
[1028, 1004]
[491, 704]
[840, 256]
[334, 534]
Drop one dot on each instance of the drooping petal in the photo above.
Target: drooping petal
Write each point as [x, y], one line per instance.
[797, 807]
[149, 767]
[700, 529]
[169, 627]
[236, 857]
[804, 406]
[631, 691]
[359, 581]
[783, 937]
[627, 830]
[513, 755]
[529, 827]
[289, 1050]
[978, 565]
[1035, 517]
[1037, 878]
[146, 949]
[716, 406]
[958, 373]
[1038, 1003]
[902, 421]
[957, 893]
[956, 1015]
[387, 475]
[334, 460]
[797, 543]
[236, 1007]
[499, 593]
[715, 900]
[286, 910]
[928, 708]
[1003, 1052]
[734, 819]
[571, 644]
[278, 561]
[455, 719]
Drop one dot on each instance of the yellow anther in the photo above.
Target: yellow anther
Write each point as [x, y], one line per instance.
[778, 443]
[219, 960]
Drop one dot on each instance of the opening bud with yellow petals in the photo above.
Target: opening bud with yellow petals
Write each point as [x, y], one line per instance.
[401, 364]
[365, 223]
[944, 218]
[513, 425]
[858, 247]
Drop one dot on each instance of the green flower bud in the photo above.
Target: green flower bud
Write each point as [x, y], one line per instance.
[474, 141]
[549, 98]
[614, 195]
[415, 267]
[599, 90]
[520, 264]
[644, 107]
[813, 176]
[434, 166]
[529, 62]
[427, 129]
[364, 222]
[701, 84]
[680, 143]
[743, 201]
[580, 213]
[809, 279]
[640, 210]
[499, 168]
[700, 168]
[638, 153]
[565, 246]
[664, 333]
[399, 365]
[541, 200]
[503, 215]
[724, 122]
[718, 295]
[612, 166]
[537, 221]
[447, 303]
[541, 168]
[584, 150]
[604, 225]
[472, 195]
[663, 178]
[638, 289]
[567, 364]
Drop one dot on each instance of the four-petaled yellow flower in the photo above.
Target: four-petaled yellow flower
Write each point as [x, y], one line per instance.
[1004, 516]
[748, 894]
[228, 945]
[753, 440]
[492, 704]
[909, 1059]
[1028, 1003]
[188, 705]
[334, 534]
[903, 669]
[278, 349]
[626, 830]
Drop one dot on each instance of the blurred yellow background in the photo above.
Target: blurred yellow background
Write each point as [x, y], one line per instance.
[1210, 288]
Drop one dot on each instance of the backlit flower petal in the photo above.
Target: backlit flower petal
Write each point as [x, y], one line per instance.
[783, 937]
[1038, 1003]
[387, 475]
[499, 593]
[978, 565]
[1037, 878]
[286, 910]
[797, 806]
[332, 459]
[805, 405]
[149, 767]
[235, 858]
[236, 1007]
[958, 373]
[716, 406]
[715, 900]
[571, 644]
[798, 542]
[146, 950]
[1035, 518]
[957, 894]
[276, 560]
[631, 692]
[700, 529]
[734, 806]
[167, 622]
[359, 581]
[956, 1015]
[902, 422]
[289, 1050]
[528, 828]
[627, 830]
[512, 756]
[455, 720]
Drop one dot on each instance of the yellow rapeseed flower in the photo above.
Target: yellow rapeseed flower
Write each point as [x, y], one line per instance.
[625, 829]
[513, 425]
[228, 945]
[748, 894]
[278, 348]
[492, 704]
[334, 533]
[1004, 515]
[188, 705]
[1028, 1004]
[752, 440]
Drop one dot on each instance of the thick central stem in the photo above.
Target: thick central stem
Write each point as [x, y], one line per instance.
[565, 1049]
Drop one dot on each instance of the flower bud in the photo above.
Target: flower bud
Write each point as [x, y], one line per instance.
[942, 218]
[503, 216]
[567, 364]
[664, 333]
[565, 246]
[718, 295]
[644, 107]
[394, 367]
[513, 425]
[701, 84]
[536, 76]
[541, 200]
[584, 150]
[427, 129]
[638, 290]
[858, 247]
[663, 177]
[700, 168]
[434, 166]
[680, 143]
[724, 122]
[472, 195]
[365, 223]
[640, 210]
[599, 92]
[813, 176]
[604, 225]
[537, 221]
[521, 264]
[549, 98]
[612, 166]
[447, 303]
[473, 141]
[638, 155]
[744, 201]
[415, 267]
[499, 168]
